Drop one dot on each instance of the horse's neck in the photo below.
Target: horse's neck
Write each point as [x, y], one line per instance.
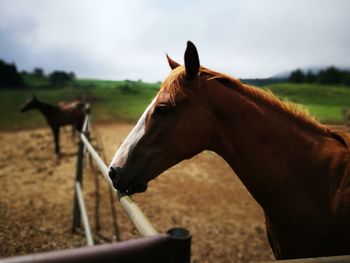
[276, 158]
[46, 109]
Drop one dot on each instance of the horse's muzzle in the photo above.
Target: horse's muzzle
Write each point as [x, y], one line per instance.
[114, 174]
[137, 186]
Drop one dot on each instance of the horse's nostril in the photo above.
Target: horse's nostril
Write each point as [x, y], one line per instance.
[112, 173]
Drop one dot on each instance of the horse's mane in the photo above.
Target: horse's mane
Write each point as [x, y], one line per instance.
[173, 85]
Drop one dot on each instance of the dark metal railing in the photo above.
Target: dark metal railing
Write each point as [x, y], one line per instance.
[172, 247]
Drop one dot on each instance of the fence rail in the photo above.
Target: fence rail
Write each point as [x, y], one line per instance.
[141, 222]
[85, 219]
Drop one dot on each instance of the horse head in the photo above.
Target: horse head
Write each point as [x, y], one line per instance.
[175, 126]
[30, 104]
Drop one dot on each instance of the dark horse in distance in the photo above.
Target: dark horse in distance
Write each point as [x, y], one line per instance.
[297, 169]
[64, 113]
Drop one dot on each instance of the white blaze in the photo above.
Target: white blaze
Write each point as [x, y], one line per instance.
[134, 136]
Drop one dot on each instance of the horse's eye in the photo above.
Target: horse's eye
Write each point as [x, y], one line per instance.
[162, 109]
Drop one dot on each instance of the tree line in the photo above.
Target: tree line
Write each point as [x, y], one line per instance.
[57, 77]
[330, 75]
[10, 77]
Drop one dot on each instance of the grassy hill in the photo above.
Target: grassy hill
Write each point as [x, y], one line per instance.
[126, 100]
[110, 100]
[325, 102]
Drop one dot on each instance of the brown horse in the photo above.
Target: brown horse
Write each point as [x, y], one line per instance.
[65, 113]
[297, 169]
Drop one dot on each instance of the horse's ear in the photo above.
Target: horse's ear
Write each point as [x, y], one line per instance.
[191, 60]
[173, 64]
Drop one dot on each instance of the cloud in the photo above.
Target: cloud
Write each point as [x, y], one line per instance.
[128, 39]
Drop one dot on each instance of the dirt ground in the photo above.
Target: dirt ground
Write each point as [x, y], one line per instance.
[202, 194]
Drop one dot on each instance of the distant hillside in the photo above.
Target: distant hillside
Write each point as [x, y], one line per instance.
[284, 75]
[262, 82]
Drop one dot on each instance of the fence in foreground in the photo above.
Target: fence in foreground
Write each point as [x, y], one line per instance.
[171, 247]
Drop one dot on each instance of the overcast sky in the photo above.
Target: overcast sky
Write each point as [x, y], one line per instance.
[128, 39]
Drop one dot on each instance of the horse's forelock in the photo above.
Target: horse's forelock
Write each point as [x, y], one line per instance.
[174, 83]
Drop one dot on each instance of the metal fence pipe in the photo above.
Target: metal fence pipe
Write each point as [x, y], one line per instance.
[86, 123]
[100, 163]
[142, 224]
[331, 259]
[165, 248]
[84, 216]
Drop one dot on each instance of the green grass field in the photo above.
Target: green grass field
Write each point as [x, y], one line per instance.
[126, 100]
[109, 101]
[324, 102]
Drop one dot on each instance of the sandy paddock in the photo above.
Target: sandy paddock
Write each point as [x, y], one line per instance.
[202, 194]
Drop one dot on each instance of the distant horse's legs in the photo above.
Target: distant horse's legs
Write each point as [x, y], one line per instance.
[56, 136]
